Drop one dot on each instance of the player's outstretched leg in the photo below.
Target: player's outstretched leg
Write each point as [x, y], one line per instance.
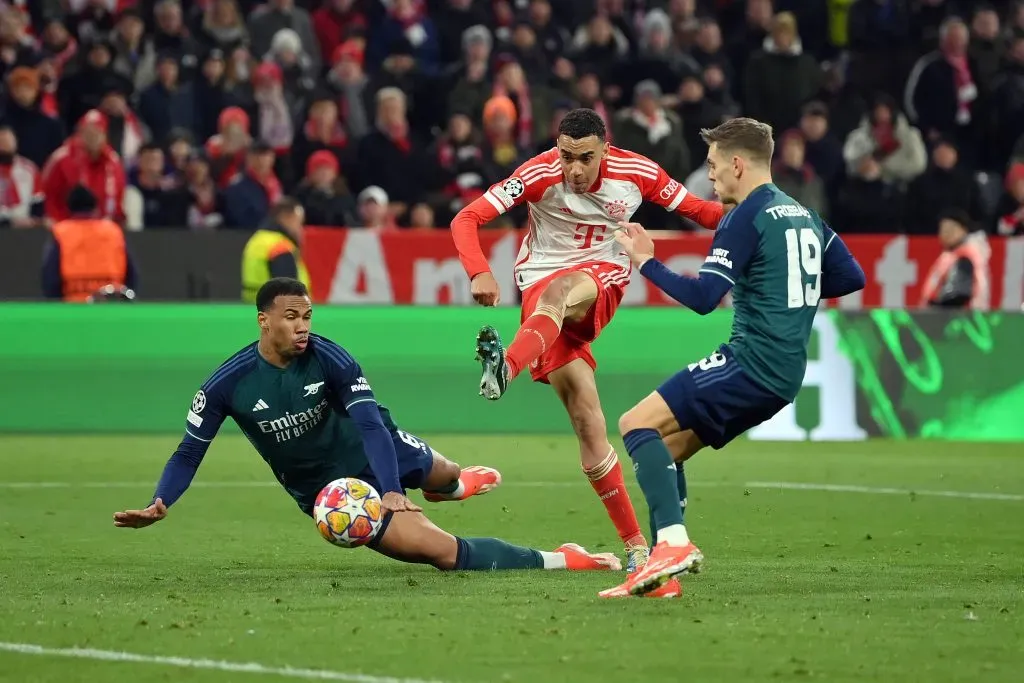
[569, 292]
[411, 537]
[643, 428]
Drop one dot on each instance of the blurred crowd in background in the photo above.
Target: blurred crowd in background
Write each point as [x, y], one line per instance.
[202, 114]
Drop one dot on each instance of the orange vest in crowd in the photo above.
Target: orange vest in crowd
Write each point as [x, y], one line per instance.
[92, 254]
[944, 264]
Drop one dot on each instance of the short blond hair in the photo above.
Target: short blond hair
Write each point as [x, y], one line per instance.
[744, 136]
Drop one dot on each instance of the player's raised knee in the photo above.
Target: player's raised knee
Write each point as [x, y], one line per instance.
[629, 421]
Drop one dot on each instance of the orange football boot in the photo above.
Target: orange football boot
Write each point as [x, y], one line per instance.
[476, 481]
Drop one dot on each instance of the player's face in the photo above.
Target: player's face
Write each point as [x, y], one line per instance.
[581, 160]
[724, 171]
[286, 324]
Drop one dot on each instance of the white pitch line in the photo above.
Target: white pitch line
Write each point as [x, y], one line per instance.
[215, 664]
[694, 485]
[848, 488]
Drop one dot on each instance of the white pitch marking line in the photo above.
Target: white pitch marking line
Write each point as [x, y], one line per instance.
[847, 488]
[215, 664]
[696, 485]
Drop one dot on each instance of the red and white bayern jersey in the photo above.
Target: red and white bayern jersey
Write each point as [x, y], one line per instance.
[568, 229]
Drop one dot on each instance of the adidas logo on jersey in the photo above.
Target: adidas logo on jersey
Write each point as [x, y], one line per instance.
[260, 405]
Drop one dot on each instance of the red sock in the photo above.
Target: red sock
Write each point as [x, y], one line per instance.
[608, 483]
[534, 337]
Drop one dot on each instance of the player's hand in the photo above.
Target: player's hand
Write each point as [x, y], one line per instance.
[638, 244]
[484, 289]
[136, 519]
[396, 502]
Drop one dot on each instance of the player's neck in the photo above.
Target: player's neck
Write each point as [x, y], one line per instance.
[748, 185]
[270, 355]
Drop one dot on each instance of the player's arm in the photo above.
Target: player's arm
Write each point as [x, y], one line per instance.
[345, 377]
[205, 416]
[671, 195]
[840, 272]
[527, 184]
[732, 248]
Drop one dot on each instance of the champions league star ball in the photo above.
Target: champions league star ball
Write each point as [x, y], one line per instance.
[348, 513]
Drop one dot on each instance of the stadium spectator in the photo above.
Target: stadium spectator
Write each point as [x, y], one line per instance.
[1007, 104]
[275, 15]
[125, 132]
[38, 133]
[941, 96]
[179, 148]
[471, 76]
[797, 178]
[17, 47]
[86, 159]
[959, 278]
[58, 45]
[171, 35]
[823, 150]
[350, 85]
[551, 37]
[321, 131]
[296, 68]
[168, 103]
[650, 129]
[1011, 206]
[248, 199]
[600, 46]
[987, 44]
[886, 135]
[780, 78]
[422, 216]
[400, 70]
[21, 191]
[324, 192]
[879, 33]
[373, 206]
[866, 203]
[275, 116]
[501, 154]
[209, 94]
[134, 54]
[406, 25]
[699, 109]
[274, 250]
[335, 22]
[460, 164]
[392, 158]
[222, 26]
[153, 198]
[227, 149]
[86, 251]
[83, 84]
[203, 210]
[708, 49]
[749, 37]
[944, 185]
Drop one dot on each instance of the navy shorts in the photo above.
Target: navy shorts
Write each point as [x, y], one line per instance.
[717, 399]
[415, 460]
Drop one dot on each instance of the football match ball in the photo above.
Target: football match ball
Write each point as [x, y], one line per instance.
[348, 513]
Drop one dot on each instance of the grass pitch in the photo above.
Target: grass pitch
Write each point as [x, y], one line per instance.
[894, 577]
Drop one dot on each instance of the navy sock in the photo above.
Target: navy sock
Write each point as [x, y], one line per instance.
[653, 463]
[447, 488]
[493, 553]
[681, 488]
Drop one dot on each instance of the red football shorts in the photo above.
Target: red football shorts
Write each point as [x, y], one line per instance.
[576, 336]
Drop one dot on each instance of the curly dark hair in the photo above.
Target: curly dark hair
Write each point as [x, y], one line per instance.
[582, 123]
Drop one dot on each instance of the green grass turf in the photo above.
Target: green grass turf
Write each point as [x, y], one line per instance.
[799, 585]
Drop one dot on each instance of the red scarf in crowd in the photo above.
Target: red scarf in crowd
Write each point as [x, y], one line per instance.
[399, 136]
[964, 84]
[885, 138]
[271, 185]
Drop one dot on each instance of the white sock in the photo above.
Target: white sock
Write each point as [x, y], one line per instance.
[673, 535]
[459, 490]
[552, 560]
